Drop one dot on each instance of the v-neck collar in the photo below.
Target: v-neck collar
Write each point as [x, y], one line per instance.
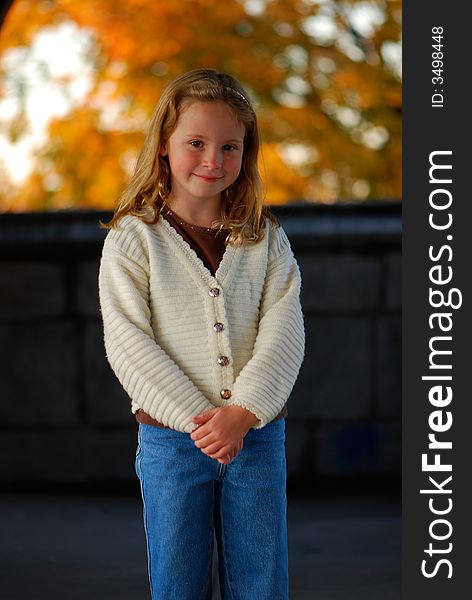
[188, 256]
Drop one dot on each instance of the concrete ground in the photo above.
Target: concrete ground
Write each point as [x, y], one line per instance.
[90, 546]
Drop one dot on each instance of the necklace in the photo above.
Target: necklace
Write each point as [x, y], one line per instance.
[184, 223]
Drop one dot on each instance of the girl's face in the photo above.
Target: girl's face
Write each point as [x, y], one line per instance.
[205, 151]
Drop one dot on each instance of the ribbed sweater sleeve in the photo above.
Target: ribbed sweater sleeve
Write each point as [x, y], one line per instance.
[147, 373]
[265, 382]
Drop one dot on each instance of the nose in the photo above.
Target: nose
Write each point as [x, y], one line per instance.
[213, 158]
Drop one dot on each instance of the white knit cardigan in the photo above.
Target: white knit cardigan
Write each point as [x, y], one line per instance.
[160, 304]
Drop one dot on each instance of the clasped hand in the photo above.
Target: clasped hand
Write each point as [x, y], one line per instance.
[221, 431]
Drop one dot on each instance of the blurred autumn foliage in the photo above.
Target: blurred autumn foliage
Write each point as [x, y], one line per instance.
[324, 75]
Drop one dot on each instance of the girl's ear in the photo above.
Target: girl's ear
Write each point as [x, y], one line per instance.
[163, 150]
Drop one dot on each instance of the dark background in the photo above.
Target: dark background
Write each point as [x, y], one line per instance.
[58, 391]
[71, 512]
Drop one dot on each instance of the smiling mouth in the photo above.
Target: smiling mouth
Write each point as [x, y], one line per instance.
[209, 179]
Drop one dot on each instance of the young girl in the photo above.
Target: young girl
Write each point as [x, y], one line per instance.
[199, 293]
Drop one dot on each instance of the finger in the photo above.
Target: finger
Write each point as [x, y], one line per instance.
[206, 441]
[200, 419]
[204, 417]
[221, 453]
[200, 432]
[224, 461]
[215, 450]
[235, 451]
[237, 448]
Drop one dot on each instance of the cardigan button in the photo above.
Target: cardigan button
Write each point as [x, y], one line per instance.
[218, 327]
[214, 292]
[225, 394]
[223, 361]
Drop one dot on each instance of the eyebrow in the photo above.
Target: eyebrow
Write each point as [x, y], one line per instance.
[202, 137]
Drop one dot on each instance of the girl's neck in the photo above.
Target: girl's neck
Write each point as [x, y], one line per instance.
[202, 214]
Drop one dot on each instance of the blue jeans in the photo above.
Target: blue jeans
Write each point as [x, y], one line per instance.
[188, 497]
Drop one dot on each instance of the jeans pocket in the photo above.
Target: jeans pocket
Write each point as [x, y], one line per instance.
[137, 460]
[138, 445]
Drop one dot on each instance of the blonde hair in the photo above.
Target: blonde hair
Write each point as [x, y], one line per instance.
[242, 210]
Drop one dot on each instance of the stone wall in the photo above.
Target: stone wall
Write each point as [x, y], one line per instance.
[65, 419]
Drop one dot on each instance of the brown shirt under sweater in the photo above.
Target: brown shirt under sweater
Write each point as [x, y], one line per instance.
[209, 245]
